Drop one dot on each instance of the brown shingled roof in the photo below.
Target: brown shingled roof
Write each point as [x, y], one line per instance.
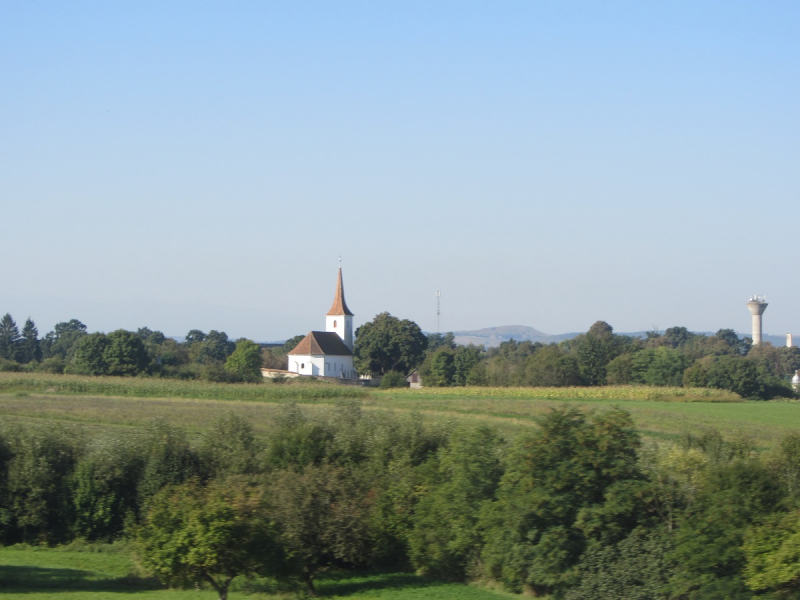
[339, 305]
[322, 342]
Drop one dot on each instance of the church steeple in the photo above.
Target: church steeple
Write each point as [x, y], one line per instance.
[339, 319]
[339, 305]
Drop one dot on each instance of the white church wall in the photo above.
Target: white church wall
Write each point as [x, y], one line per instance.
[305, 364]
[341, 325]
[322, 366]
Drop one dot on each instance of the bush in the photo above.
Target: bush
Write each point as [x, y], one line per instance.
[10, 366]
[393, 379]
[53, 365]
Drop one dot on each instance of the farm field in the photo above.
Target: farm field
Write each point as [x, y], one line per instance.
[108, 573]
[116, 402]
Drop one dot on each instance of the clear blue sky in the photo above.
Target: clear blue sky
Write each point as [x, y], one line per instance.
[204, 164]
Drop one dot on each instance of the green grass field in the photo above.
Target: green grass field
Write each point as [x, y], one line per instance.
[110, 574]
[92, 403]
[119, 402]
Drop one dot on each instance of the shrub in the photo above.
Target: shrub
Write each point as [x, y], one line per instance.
[393, 379]
[54, 364]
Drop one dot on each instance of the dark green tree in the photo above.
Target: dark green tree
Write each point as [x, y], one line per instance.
[149, 336]
[619, 371]
[229, 447]
[104, 484]
[215, 348]
[709, 549]
[37, 507]
[30, 349]
[393, 379]
[638, 568]
[736, 374]
[697, 374]
[9, 338]
[730, 337]
[321, 514]
[169, 460]
[125, 354]
[89, 357]
[195, 336]
[441, 340]
[662, 366]
[389, 344]
[789, 360]
[595, 349]
[676, 337]
[446, 540]
[464, 360]
[549, 366]
[61, 341]
[574, 481]
[439, 368]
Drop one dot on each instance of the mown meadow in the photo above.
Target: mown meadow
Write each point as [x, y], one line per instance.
[659, 412]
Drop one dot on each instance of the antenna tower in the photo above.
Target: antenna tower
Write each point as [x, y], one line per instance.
[438, 309]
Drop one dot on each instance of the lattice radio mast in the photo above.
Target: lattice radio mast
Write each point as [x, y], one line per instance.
[438, 309]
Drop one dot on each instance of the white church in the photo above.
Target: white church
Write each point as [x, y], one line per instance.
[328, 353]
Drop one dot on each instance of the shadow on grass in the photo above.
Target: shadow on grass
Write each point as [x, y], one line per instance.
[34, 579]
[346, 584]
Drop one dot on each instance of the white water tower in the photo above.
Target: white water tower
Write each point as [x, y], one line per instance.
[757, 306]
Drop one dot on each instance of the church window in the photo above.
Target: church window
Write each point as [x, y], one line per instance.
[302, 365]
[334, 323]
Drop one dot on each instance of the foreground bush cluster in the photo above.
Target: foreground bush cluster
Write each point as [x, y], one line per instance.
[577, 508]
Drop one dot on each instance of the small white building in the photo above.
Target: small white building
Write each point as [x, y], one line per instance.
[328, 353]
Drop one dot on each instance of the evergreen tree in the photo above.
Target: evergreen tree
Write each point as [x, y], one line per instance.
[9, 338]
[30, 349]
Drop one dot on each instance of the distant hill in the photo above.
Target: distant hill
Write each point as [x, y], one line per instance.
[491, 337]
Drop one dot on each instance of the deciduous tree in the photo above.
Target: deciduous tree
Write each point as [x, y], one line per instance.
[61, 341]
[574, 480]
[89, 356]
[245, 361]
[215, 348]
[322, 514]
[193, 534]
[389, 344]
[125, 353]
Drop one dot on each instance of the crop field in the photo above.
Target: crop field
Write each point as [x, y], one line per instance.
[120, 402]
[107, 572]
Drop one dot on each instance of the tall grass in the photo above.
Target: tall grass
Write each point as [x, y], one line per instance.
[141, 387]
[609, 392]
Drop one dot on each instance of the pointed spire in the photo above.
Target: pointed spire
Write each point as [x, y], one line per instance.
[339, 305]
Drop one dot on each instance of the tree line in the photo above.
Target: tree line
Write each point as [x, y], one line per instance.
[676, 357]
[70, 348]
[578, 508]
[391, 348]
